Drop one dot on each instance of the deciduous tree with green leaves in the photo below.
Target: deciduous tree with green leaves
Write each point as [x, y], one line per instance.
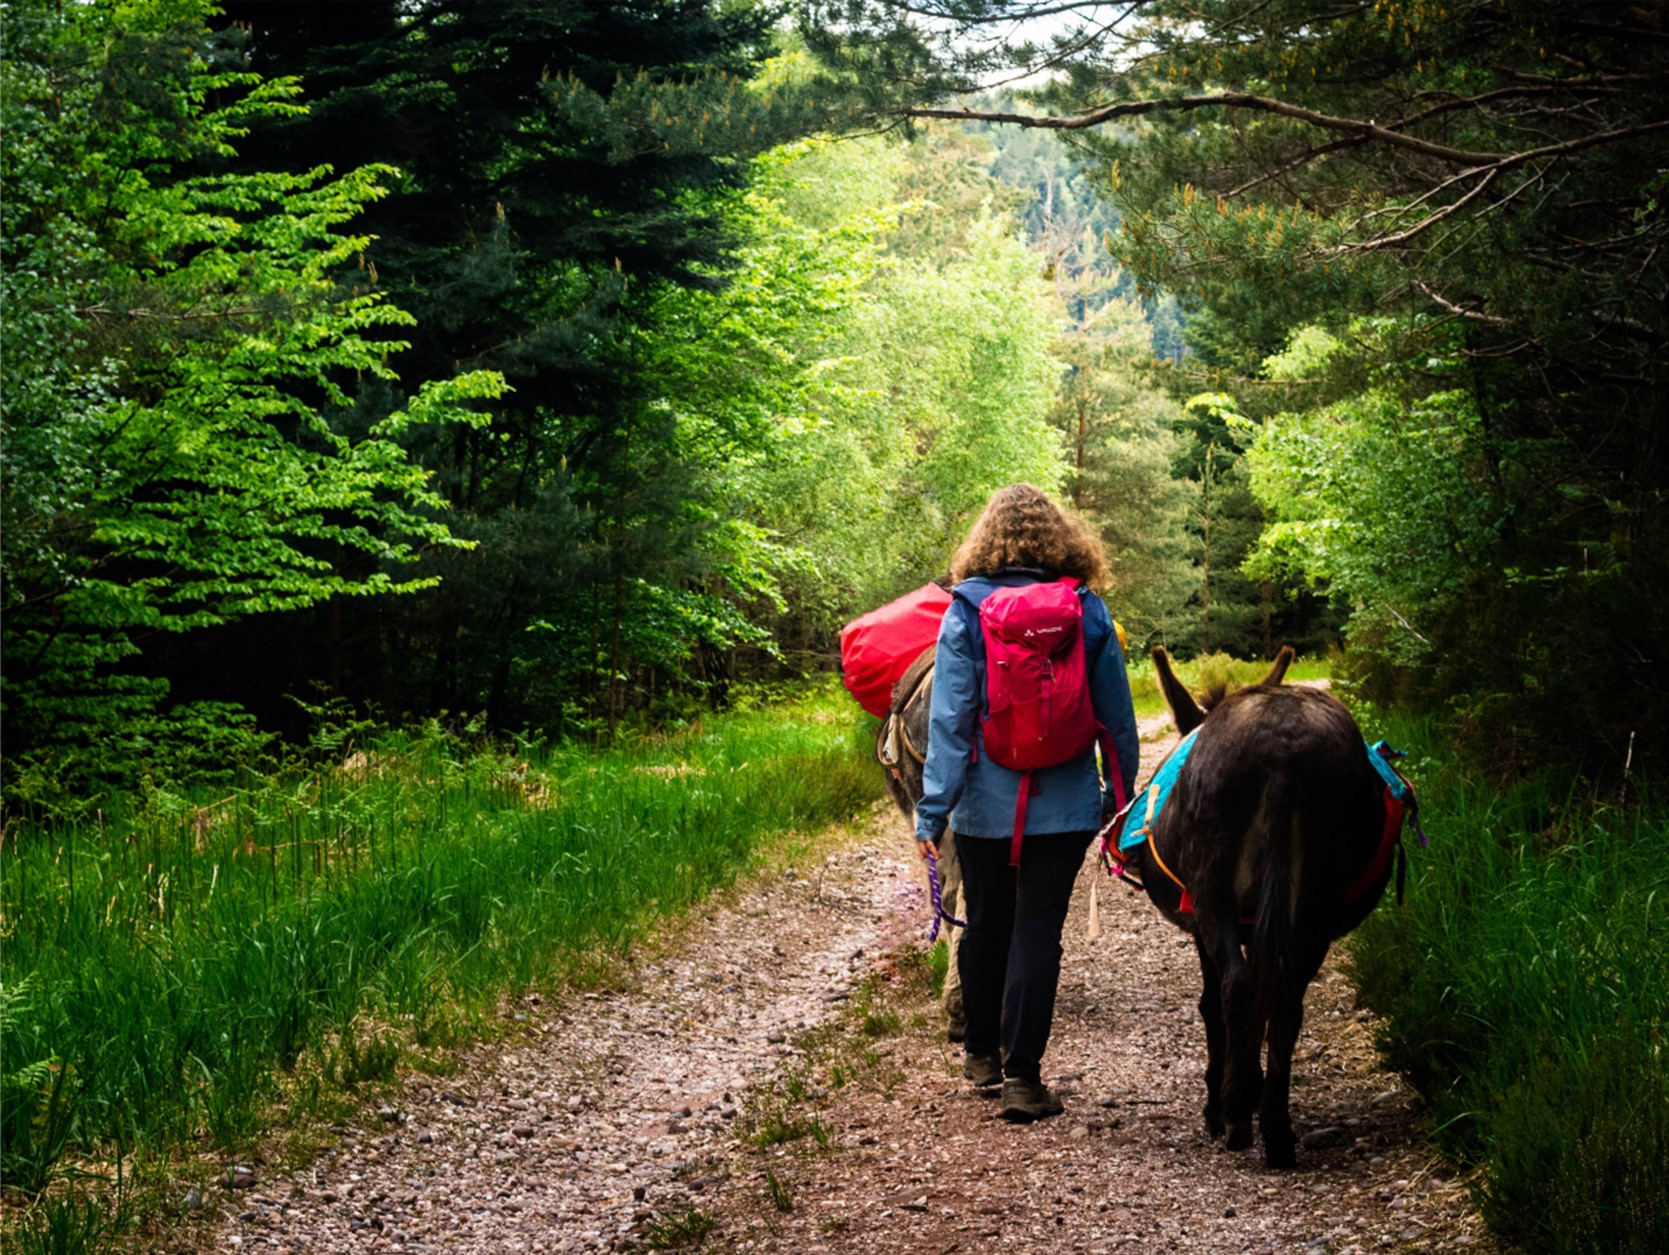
[1487, 172]
[177, 347]
[1123, 450]
[891, 335]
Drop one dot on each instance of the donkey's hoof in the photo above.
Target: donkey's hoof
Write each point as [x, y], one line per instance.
[1240, 1136]
[1214, 1125]
[1280, 1154]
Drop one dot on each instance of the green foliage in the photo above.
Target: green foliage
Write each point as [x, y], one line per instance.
[1385, 498]
[1119, 430]
[172, 463]
[36, 1109]
[1167, 491]
[894, 356]
[779, 1191]
[1396, 495]
[1524, 993]
[938, 967]
[353, 1061]
[164, 970]
[1067, 219]
[1577, 1161]
[1465, 194]
[678, 1228]
[1227, 614]
[739, 390]
[565, 181]
[1205, 672]
[1475, 478]
[779, 1126]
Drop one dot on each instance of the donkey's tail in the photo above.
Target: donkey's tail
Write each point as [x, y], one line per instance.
[1271, 951]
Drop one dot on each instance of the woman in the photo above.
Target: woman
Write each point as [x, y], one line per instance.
[1009, 958]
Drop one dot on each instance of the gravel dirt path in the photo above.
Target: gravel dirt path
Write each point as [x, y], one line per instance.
[778, 1079]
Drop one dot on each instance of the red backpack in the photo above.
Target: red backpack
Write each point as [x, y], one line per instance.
[1038, 711]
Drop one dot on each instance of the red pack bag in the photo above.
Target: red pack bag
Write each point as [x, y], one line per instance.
[1038, 710]
[877, 648]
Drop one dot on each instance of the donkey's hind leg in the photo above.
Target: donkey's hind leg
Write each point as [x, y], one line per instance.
[1211, 1015]
[1286, 1018]
[950, 873]
[1242, 1029]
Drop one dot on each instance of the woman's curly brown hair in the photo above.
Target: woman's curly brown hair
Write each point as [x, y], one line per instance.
[1021, 527]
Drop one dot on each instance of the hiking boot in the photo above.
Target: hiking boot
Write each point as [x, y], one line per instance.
[1025, 1101]
[985, 1071]
[955, 1028]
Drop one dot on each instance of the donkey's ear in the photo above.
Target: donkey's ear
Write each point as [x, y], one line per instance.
[1278, 672]
[1185, 711]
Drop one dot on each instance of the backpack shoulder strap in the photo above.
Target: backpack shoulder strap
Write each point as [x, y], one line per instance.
[967, 597]
[1096, 626]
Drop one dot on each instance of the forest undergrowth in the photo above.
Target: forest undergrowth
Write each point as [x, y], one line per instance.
[1524, 992]
[180, 974]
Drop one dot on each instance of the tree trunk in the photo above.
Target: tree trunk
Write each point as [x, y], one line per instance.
[614, 649]
[1205, 590]
[596, 684]
[1083, 434]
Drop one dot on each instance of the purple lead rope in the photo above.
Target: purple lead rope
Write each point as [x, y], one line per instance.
[939, 912]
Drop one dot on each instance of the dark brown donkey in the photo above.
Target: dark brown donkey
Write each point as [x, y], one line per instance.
[1260, 852]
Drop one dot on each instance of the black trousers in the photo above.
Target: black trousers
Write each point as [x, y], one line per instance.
[1010, 957]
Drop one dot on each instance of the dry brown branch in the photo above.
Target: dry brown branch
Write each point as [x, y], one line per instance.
[1478, 162]
[1459, 311]
[1227, 100]
[1426, 223]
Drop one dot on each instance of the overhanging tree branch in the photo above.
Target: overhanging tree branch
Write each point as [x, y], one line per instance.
[1431, 220]
[1298, 162]
[950, 13]
[1225, 100]
[1459, 311]
[1478, 162]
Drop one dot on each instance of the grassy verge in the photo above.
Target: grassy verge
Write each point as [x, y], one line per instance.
[1206, 672]
[171, 972]
[1526, 992]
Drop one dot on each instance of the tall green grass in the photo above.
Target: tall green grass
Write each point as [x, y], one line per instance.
[1525, 990]
[164, 969]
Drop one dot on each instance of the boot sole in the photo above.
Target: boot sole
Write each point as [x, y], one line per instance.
[1024, 1115]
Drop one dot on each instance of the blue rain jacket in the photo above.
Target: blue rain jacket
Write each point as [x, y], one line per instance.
[977, 797]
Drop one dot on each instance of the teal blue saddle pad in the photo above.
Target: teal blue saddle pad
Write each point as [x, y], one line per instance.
[1150, 802]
